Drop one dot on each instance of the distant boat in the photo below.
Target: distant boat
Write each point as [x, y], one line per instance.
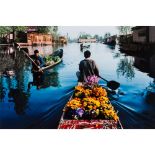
[84, 46]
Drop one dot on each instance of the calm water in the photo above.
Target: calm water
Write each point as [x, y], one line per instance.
[23, 108]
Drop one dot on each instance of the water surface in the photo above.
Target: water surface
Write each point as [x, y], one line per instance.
[42, 108]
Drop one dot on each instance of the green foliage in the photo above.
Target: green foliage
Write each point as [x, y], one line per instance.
[85, 36]
[124, 30]
[44, 29]
[125, 68]
[18, 28]
[54, 32]
[56, 58]
[10, 29]
[41, 29]
[51, 58]
[47, 29]
[107, 35]
[98, 38]
[3, 30]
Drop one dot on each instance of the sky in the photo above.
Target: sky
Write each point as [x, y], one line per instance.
[74, 31]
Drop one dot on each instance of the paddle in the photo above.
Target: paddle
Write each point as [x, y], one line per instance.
[111, 84]
[32, 60]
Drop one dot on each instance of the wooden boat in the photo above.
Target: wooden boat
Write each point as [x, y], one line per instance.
[86, 46]
[66, 123]
[52, 65]
[58, 53]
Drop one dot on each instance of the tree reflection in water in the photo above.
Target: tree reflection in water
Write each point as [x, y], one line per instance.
[16, 87]
[125, 68]
[111, 46]
[2, 90]
[15, 61]
[20, 100]
[150, 90]
[116, 55]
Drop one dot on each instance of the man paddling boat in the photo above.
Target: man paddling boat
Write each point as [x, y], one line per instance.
[38, 76]
[38, 61]
[87, 68]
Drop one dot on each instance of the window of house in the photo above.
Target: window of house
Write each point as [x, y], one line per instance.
[142, 33]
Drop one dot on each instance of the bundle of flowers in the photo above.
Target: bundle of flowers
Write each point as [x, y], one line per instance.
[90, 103]
[95, 91]
[92, 80]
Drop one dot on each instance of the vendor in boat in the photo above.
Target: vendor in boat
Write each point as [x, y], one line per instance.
[38, 61]
[38, 76]
[87, 67]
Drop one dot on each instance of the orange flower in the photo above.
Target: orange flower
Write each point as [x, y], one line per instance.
[93, 99]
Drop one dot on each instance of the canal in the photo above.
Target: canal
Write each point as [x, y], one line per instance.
[21, 108]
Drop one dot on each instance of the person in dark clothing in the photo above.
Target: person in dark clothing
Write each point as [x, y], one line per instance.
[38, 60]
[87, 67]
[81, 47]
[38, 76]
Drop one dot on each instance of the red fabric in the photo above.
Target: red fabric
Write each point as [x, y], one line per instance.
[90, 124]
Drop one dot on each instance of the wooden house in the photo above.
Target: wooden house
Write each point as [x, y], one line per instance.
[39, 39]
[144, 34]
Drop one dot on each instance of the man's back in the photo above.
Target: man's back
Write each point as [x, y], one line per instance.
[87, 68]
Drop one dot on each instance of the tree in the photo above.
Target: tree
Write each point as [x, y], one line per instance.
[124, 30]
[84, 35]
[15, 29]
[4, 30]
[107, 35]
[47, 29]
[98, 38]
[44, 29]
[55, 29]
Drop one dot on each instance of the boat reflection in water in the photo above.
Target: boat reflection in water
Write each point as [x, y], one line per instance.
[45, 80]
[51, 79]
[38, 79]
[111, 46]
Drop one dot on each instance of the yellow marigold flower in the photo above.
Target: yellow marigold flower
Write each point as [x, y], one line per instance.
[97, 111]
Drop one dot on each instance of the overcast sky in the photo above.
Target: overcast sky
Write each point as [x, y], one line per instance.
[74, 31]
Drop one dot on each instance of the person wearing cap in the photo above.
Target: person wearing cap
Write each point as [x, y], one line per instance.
[87, 67]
